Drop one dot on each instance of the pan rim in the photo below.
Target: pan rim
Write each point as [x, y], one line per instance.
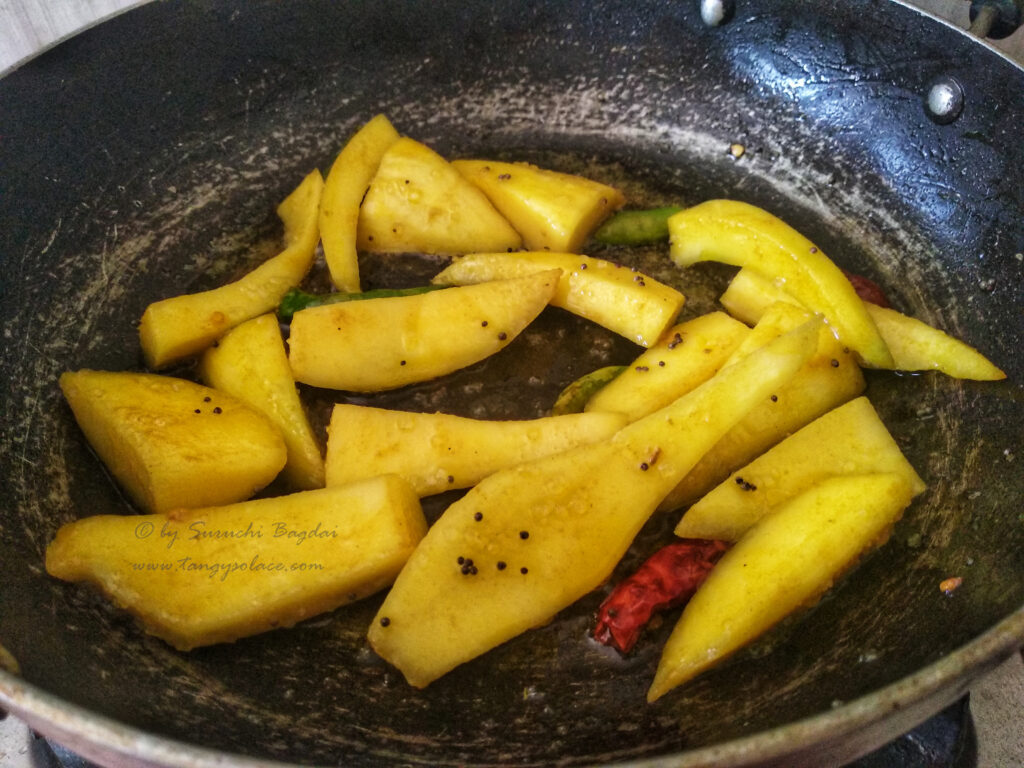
[851, 729]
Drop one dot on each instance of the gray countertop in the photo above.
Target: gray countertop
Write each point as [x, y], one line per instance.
[997, 701]
[30, 26]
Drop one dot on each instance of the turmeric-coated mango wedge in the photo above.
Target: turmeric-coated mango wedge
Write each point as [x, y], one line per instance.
[377, 344]
[552, 211]
[618, 298]
[172, 443]
[744, 235]
[849, 440]
[437, 452]
[346, 183]
[915, 345]
[214, 575]
[250, 363]
[784, 563]
[531, 539]
[418, 202]
[829, 378]
[687, 355]
[174, 329]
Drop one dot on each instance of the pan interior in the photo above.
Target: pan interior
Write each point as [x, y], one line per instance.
[137, 172]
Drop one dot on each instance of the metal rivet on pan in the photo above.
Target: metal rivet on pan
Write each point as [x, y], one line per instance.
[945, 100]
[715, 12]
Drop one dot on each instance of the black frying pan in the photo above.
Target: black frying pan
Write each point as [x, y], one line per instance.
[144, 158]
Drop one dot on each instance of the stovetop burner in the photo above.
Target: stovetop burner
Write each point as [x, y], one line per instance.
[945, 741]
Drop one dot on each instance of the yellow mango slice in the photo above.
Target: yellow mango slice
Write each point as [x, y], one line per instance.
[376, 344]
[213, 575]
[419, 202]
[174, 329]
[552, 211]
[250, 363]
[436, 452]
[829, 378]
[629, 303]
[347, 182]
[782, 564]
[749, 294]
[687, 355]
[849, 440]
[776, 320]
[531, 539]
[744, 235]
[915, 345]
[172, 443]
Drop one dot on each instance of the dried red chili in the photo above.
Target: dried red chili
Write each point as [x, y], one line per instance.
[667, 579]
[867, 289]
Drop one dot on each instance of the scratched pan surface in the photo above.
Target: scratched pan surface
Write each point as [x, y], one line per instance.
[144, 159]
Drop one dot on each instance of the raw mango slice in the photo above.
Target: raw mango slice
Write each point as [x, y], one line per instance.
[829, 378]
[530, 540]
[786, 562]
[174, 329]
[552, 211]
[620, 299]
[214, 575]
[347, 182]
[436, 452]
[418, 202]
[172, 443]
[749, 294]
[849, 440]
[250, 363]
[915, 345]
[744, 235]
[377, 344]
[687, 355]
